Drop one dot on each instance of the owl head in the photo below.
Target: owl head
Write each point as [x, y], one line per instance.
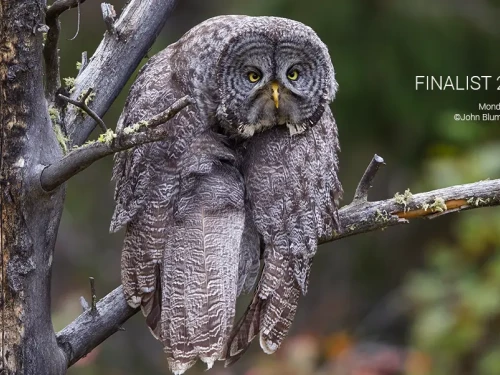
[275, 72]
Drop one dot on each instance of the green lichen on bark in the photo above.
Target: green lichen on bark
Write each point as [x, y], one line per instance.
[69, 83]
[473, 201]
[88, 100]
[382, 216]
[62, 139]
[107, 137]
[438, 205]
[404, 199]
[134, 128]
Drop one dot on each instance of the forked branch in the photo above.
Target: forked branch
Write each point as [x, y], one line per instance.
[361, 216]
[108, 143]
[82, 104]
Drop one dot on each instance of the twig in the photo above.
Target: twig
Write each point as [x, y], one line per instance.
[93, 307]
[109, 15]
[77, 160]
[83, 63]
[83, 334]
[139, 24]
[361, 194]
[84, 107]
[78, 22]
[50, 51]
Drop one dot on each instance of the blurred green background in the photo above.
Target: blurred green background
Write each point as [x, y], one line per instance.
[419, 299]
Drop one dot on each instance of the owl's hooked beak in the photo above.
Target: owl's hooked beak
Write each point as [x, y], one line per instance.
[276, 94]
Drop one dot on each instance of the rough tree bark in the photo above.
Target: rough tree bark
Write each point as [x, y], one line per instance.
[33, 171]
[30, 215]
[30, 218]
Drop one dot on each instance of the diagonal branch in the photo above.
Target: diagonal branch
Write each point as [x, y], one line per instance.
[361, 216]
[115, 60]
[50, 51]
[108, 143]
[91, 328]
[372, 216]
[82, 104]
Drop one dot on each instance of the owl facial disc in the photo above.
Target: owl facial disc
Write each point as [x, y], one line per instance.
[276, 76]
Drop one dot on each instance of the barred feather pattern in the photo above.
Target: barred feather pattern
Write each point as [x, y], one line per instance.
[294, 190]
[181, 203]
[228, 183]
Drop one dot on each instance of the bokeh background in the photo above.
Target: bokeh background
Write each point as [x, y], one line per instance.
[418, 299]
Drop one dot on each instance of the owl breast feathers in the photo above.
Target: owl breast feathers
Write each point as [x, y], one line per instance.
[247, 172]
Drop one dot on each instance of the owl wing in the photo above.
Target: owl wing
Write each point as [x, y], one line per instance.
[293, 190]
[249, 263]
[181, 202]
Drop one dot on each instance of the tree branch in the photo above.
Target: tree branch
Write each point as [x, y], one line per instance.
[50, 51]
[108, 143]
[115, 60]
[82, 104]
[360, 216]
[90, 329]
[361, 194]
[108, 15]
[371, 216]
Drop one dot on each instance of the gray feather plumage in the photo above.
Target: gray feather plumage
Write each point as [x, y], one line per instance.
[294, 189]
[235, 177]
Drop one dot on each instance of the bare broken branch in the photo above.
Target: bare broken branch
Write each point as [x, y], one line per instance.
[50, 50]
[109, 15]
[83, 63]
[89, 330]
[360, 216]
[93, 296]
[371, 216]
[138, 25]
[361, 194]
[137, 134]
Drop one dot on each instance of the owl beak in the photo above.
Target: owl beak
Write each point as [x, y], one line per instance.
[276, 94]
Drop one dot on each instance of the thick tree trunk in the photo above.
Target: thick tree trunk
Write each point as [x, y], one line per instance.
[29, 217]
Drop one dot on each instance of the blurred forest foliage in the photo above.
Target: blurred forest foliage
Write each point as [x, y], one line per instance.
[417, 300]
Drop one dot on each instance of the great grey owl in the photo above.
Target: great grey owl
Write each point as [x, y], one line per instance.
[248, 170]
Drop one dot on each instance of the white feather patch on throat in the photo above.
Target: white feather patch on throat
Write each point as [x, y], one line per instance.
[248, 131]
[296, 128]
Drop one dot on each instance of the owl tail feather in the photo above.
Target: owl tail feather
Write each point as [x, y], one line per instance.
[269, 317]
[245, 331]
[151, 306]
[279, 314]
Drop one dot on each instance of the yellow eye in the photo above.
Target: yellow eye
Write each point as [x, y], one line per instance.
[293, 75]
[253, 77]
